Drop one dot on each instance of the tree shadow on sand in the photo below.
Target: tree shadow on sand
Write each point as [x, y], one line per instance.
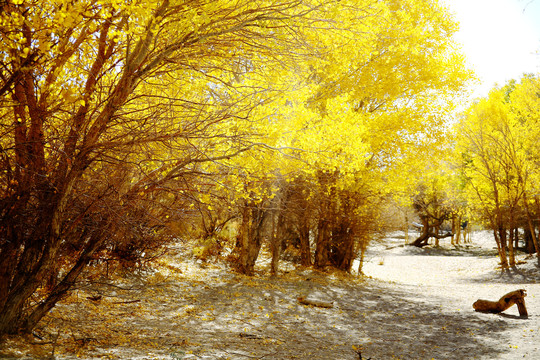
[446, 250]
[237, 317]
[515, 275]
[262, 319]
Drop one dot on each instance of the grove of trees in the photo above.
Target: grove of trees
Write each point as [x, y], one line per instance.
[126, 125]
[496, 148]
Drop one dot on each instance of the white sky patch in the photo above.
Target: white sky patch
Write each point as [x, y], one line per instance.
[500, 38]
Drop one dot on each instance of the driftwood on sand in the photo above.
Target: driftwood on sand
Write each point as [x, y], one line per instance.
[515, 297]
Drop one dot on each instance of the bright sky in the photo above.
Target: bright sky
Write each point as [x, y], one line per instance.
[501, 38]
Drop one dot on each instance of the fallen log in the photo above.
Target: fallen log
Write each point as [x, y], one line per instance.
[515, 297]
[315, 302]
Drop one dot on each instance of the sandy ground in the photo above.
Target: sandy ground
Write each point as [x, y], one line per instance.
[413, 304]
[455, 278]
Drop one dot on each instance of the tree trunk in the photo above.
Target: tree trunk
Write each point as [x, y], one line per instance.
[511, 253]
[348, 258]
[406, 229]
[422, 240]
[454, 230]
[250, 237]
[529, 244]
[33, 264]
[8, 262]
[511, 239]
[467, 233]
[63, 287]
[511, 257]
[276, 242]
[322, 246]
[342, 247]
[458, 230]
[305, 249]
[437, 230]
[363, 247]
[428, 233]
[500, 239]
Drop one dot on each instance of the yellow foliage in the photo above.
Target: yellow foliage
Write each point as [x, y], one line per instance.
[145, 107]
[497, 148]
